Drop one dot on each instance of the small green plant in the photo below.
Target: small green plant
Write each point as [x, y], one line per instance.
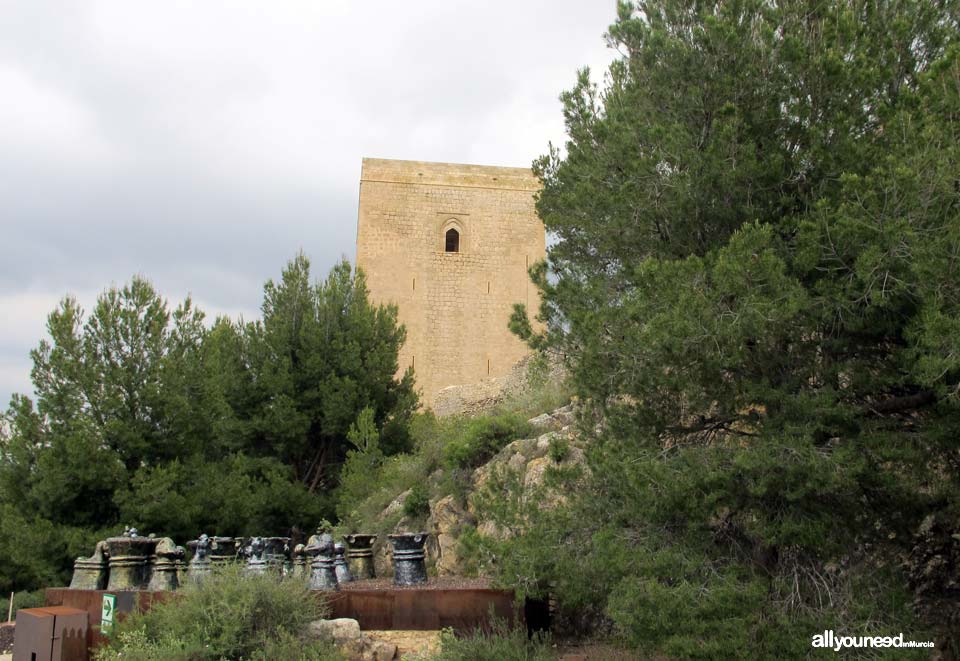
[418, 501]
[481, 438]
[456, 482]
[228, 616]
[559, 449]
[362, 463]
[501, 643]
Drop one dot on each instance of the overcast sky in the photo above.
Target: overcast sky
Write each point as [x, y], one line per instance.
[202, 144]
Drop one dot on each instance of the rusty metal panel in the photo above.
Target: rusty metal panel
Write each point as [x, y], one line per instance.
[51, 634]
[427, 609]
[33, 637]
[467, 610]
[92, 600]
[69, 634]
[380, 608]
[416, 610]
[373, 609]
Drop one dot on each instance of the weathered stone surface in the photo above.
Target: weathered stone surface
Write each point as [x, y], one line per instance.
[165, 565]
[91, 573]
[530, 459]
[536, 470]
[491, 529]
[542, 420]
[340, 564]
[323, 573]
[367, 649]
[129, 560]
[382, 560]
[339, 631]
[409, 644]
[382, 651]
[409, 567]
[464, 297]
[256, 557]
[446, 519]
[354, 644]
[360, 555]
[200, 564]
[396, 505]
[564, 416]
[543, 441]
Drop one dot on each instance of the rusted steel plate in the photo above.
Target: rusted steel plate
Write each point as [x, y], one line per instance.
[92, 600]
[54, 633]
[427, 609]
[376, 607]
[423, 610]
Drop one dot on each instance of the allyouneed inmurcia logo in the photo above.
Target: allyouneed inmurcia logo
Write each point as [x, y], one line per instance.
[836, 643]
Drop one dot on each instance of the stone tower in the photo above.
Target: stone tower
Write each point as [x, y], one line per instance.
[450, 246]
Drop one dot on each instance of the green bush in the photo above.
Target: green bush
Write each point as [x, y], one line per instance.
[479, 439]
[20, 600]
[502, 643]
[228, 616]
[418, 501]
[362, 464]
[37, 552]
[559, 449]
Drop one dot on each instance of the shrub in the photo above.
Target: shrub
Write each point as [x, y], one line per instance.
[228, 616]
[357, 479]
[502, 643]
[21, 600]
[417, 502]
[479, 439]
[559, 449]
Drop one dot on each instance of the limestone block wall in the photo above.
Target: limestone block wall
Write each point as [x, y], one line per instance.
[455, 305]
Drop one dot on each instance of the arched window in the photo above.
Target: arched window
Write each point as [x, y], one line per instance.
[452, 240]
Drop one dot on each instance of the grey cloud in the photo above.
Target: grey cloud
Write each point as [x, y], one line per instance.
[204, 144]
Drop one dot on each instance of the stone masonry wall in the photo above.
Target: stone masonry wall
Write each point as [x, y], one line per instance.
[455, 306]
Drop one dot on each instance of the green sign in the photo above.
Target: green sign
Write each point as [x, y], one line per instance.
[107, 610]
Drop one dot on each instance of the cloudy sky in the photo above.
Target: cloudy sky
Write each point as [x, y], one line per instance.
[202, 144]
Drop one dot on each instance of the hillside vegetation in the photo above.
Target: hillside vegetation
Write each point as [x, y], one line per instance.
[754, 287]
[152, 417]
[755, 283]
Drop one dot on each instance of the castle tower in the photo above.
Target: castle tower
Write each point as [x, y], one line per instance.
[450, 245]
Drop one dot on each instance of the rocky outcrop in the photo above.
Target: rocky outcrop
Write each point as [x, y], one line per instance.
[447, 517]
[472, 398]
[339, 631]
[345, 634]
[530, 461]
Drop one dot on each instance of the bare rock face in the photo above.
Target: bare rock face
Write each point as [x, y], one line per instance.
[530, 460]
[535, 472]
[408, 644]
[396, 505]
[381, 650]
[446, 519]
[339, 631]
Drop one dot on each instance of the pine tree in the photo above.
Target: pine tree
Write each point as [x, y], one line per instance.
[754, 280]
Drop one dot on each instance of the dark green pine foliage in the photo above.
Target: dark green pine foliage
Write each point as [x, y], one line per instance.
[320, 356]
[151, 418]
[755, 281]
